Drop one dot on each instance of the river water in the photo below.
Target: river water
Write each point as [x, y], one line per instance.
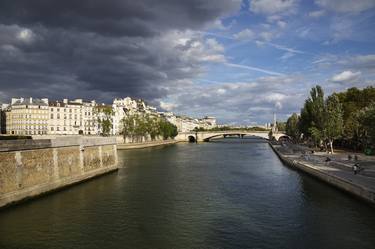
[231, 193]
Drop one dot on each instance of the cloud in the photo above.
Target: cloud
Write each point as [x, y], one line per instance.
[116, 17]
[280, 47]
[168, 106]
[346, 6]
[317, 13]
[363, 63]
[253, 68]
[273, 6]
[346, 76]
[246, 34]
[245, 102]
[281, 24]
[287, 55]
[95, 49]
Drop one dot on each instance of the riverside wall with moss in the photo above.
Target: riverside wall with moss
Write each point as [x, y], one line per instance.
[29, 168]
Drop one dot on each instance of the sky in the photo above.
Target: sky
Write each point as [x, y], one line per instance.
[239, 61]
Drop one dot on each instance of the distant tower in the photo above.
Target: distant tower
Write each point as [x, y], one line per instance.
[274, 127]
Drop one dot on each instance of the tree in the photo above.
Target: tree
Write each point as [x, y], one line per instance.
[144, 124]
[312, 115]
[333, 120]
[353, 101]
[292, 127]
[281, 126]
[367, 123]
[105, 114]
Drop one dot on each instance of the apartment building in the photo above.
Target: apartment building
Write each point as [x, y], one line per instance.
[72, 117]
[27, 116]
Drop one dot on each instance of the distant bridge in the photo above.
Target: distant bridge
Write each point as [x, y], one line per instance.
[205, 136]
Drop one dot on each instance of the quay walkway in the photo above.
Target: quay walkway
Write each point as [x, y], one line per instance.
[337, 172]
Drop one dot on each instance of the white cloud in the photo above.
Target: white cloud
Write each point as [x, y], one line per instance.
[253, 69]
[281, 24]
[273, 6]
[317, 13]
[346, 76]
[25, 35]
[287, 55]
[194, 48]
[246, 34]
[168, 106]
[365, 59]
[221, 91]
[266, 35]
[281, 47]
[214, 45]
[275, 97]
[346, 6]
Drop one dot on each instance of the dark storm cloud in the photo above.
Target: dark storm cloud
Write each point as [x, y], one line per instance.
[115, 17]
[100, 49]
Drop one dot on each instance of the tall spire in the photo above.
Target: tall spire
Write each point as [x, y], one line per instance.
[274, 127]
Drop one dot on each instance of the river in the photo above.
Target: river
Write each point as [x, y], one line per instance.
[232, 193]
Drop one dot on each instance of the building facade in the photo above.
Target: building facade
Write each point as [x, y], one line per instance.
[72, 117]
[27, 116]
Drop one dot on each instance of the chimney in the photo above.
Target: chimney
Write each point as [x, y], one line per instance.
[65, 101]
[31, 100]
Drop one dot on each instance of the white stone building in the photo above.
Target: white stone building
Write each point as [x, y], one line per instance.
[27, 116]
[72, 117]
[186, 124]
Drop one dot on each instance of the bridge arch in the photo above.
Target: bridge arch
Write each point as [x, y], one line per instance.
[192, 139]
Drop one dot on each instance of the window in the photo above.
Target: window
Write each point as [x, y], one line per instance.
[51, 115]
[52, 129]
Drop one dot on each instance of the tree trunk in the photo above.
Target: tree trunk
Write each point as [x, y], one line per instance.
[331, 145]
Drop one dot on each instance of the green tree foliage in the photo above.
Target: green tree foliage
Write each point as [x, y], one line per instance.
[333, 121]
[366, 119]
[105, 114]
[355, 101]
[292, 127]
[281, 126]
[346, 118]
[143, 125]
[312, 114]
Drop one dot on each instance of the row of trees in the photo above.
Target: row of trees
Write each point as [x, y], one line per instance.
[144, 125]
[346, 118]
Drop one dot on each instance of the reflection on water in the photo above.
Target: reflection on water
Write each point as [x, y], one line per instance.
[231, 193]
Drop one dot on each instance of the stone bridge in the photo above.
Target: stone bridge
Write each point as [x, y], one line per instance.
[205, 136]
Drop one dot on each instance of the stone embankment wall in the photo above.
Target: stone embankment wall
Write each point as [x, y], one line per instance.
[32, 167]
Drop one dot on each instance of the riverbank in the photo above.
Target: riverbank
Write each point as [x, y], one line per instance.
[335, 172]
[132, 146]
